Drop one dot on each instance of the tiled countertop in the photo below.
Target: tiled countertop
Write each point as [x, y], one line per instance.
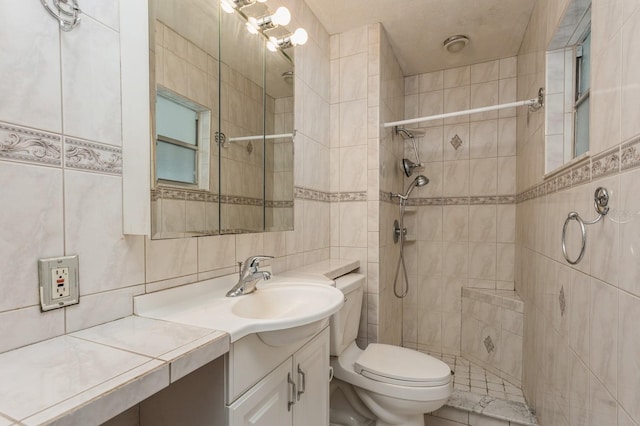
[90, 376]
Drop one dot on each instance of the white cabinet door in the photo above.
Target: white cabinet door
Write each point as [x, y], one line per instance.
[311, 367]
[267, 403]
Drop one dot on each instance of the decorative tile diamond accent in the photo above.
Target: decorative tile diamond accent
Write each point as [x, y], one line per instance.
[563, 302]
[456, 142]
[488, 343]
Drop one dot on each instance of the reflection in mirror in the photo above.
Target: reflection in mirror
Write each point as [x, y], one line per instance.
[279, 150]
[242, 123]
[184, 96]
[222, 114]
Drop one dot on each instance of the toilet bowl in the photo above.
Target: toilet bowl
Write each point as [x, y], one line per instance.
[397, 385]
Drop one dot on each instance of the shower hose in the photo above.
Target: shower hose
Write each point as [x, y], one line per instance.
[405, 288]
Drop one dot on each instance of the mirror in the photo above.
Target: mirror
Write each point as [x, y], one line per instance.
[222, 114]
[184, 110]
[279, 150]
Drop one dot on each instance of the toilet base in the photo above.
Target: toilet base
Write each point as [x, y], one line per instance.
[417, 420]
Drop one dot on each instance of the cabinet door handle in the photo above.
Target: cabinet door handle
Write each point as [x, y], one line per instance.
[302, 380]
[292, 392]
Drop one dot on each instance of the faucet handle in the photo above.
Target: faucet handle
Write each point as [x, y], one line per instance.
[253, 262]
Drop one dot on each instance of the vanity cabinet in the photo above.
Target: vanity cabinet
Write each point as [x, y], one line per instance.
[295, 393]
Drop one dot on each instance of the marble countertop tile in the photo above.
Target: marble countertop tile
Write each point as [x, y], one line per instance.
[39, 376]
[93, 374]
[185, 347]
[6, 422]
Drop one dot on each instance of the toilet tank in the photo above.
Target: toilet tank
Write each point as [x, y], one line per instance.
[345, 322]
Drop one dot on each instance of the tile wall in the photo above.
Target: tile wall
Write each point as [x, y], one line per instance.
[391, 108]
[60, 168]
[461, 225]
[366, 90]
[581, 337]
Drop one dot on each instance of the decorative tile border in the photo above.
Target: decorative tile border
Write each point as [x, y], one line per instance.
[605, 164]
[170, 193]
[243, 201]
[91, 156]
[349, 196]
[277, 204]
[23, 144]
[310, 194]
[330, 197]
[611, 162]
[630, 155]
[462, 201]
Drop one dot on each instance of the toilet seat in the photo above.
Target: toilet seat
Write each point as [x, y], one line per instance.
[344, 369]
[401, 366]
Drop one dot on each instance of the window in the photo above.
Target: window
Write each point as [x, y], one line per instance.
[176, 141]
[582, 86]
[568, 75]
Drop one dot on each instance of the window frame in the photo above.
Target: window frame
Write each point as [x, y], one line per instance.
[179, 100]
[580, 98]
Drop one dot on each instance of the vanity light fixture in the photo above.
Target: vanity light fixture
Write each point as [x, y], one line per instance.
[230, 5]
[298, 38]
[282, 16]
[456, 43]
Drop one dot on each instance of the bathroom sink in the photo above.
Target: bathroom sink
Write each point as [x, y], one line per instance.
[289, 304]
[280, 312]
[283, 301]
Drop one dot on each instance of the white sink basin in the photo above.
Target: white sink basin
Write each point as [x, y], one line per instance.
[283, 301]
[279, 312]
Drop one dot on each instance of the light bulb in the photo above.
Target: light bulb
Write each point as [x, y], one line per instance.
[299, 37]
[226, 6]
[281, 17]
[272, 45]
[252, 26]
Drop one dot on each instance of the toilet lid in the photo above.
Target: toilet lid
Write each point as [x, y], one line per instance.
[402, 366]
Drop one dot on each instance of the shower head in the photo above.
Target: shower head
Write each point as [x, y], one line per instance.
[420, 180]
[410, 133]
[287, 76]
[408, 166]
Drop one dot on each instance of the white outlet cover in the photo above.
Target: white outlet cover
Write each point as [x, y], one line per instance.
[59, 284]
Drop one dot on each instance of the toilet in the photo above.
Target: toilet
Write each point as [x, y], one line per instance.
[382, 384]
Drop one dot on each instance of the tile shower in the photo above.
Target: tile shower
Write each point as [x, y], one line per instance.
[463, 223]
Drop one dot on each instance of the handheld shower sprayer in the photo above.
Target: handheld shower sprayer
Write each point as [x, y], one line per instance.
[421, 180]
[399, 233]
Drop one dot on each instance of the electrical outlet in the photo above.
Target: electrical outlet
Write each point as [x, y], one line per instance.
[59, 285]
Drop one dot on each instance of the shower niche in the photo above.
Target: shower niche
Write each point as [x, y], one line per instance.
[222, 123]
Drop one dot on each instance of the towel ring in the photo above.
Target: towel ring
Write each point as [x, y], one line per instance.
[601, 201]
[66, 12]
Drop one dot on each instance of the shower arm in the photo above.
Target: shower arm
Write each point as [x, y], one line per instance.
[413, 142]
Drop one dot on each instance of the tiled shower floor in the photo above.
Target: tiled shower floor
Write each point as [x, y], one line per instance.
[476, 390]
[470, 377]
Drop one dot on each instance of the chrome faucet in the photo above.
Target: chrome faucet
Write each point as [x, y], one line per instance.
[249, 276]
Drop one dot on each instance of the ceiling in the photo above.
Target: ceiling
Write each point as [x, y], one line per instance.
[417, 28]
